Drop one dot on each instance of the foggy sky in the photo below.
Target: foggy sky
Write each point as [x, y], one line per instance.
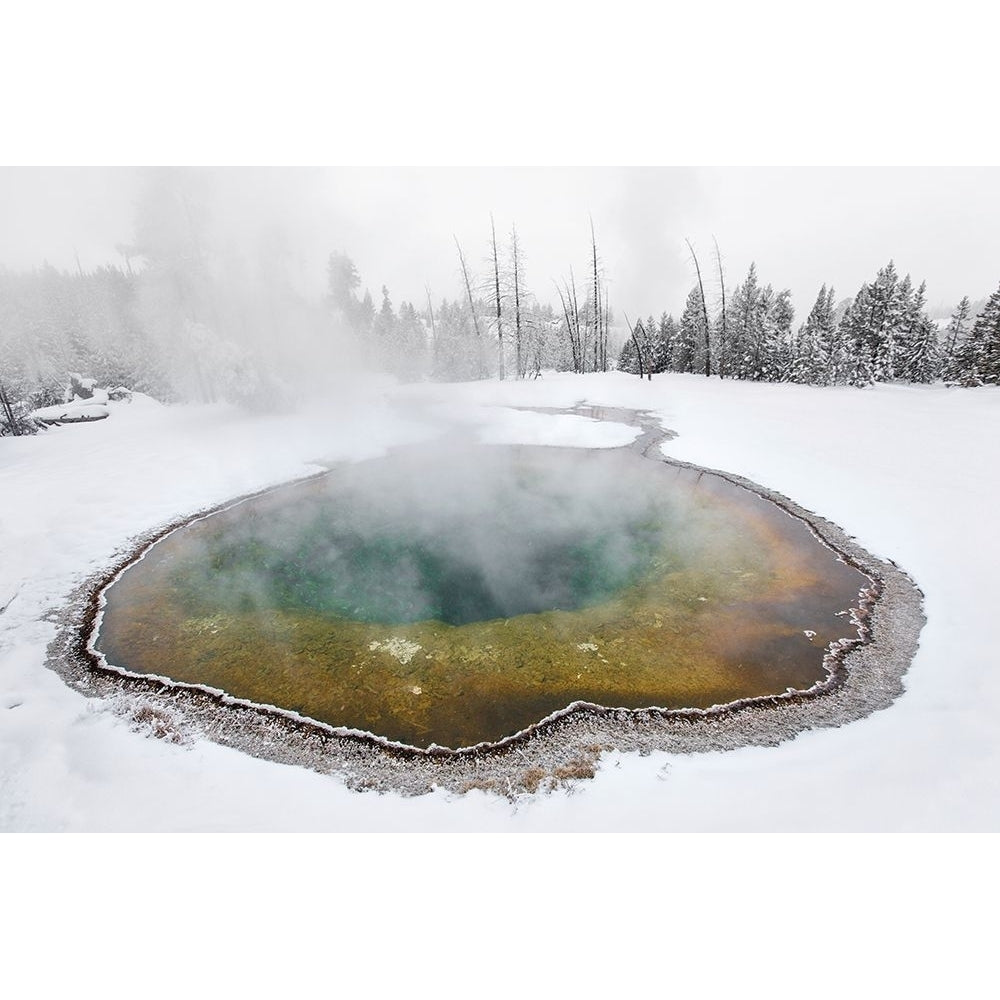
[803, 225]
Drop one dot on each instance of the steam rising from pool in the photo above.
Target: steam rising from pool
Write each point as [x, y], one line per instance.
[457, 596]
[465, 536]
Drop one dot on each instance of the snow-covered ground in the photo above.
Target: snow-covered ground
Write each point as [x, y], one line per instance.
[912, 472]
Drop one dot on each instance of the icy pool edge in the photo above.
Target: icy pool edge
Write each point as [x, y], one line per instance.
[864, 675]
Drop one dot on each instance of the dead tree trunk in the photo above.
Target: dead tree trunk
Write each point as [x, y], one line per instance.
[569, 329]
[599, 347]
[598, 362]
[496, 277]
[724, 331]
[704, 310]
[8, 412]
[646, 342]
[472, 306]
[607, 325]
[517, 306]
[638, 348]
[434, 336]
[580, 340]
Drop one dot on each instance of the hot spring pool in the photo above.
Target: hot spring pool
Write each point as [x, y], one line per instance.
[456, 596]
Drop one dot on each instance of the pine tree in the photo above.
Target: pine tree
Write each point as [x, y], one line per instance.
[875, 330]
[919, 356]
[813, 343]
[777, 349]
[988, 324]
[872, 333]
[628, 361]
[759, 346]
[954, 341]
[655, 353]
[835, 352]
[901, 312]
[832, 344]
[981, 357]
[667, 331]
[922, 361]
[365, 314]
[744, 321]
[459, 354]
[854, 363]
[342, 281]
[383, 337]
[410, 342]
[690, 334]
[759, 332]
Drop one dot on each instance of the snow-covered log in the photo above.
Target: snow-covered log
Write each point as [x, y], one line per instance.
[81, 411]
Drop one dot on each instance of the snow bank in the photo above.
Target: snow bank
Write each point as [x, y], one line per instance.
[907, 470]
[69, 413]
[507, 426]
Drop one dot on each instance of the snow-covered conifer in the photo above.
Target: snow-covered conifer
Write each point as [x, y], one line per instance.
[981, 357]
[667, 336]
[919, 356]
[743, 321]
[627, 359]
[690, 334]
[811, 356]
[954, 339]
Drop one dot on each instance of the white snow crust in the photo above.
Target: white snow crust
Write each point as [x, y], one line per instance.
[79, 409]
[912, 472]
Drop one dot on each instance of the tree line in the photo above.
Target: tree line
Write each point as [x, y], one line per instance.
[494, 327]
[882, 334]
[184, 317]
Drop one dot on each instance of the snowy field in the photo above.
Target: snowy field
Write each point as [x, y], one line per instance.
[912, 472]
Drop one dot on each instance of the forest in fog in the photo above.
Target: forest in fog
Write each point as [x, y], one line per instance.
[186, 313]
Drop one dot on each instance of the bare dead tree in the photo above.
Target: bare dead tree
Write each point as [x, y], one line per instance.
[607, 326]
[593, 330]
[704, 309]
[638, 347]
[648, 347]
[596, 310]
[472, 305]
[581, 340]
[430, 312]
[496, 277]
[724, 331]
[517, 304]
[434, 337]
[573, 346]
[598, 347]
[599, 311]
[8, 412]
[577, 327]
